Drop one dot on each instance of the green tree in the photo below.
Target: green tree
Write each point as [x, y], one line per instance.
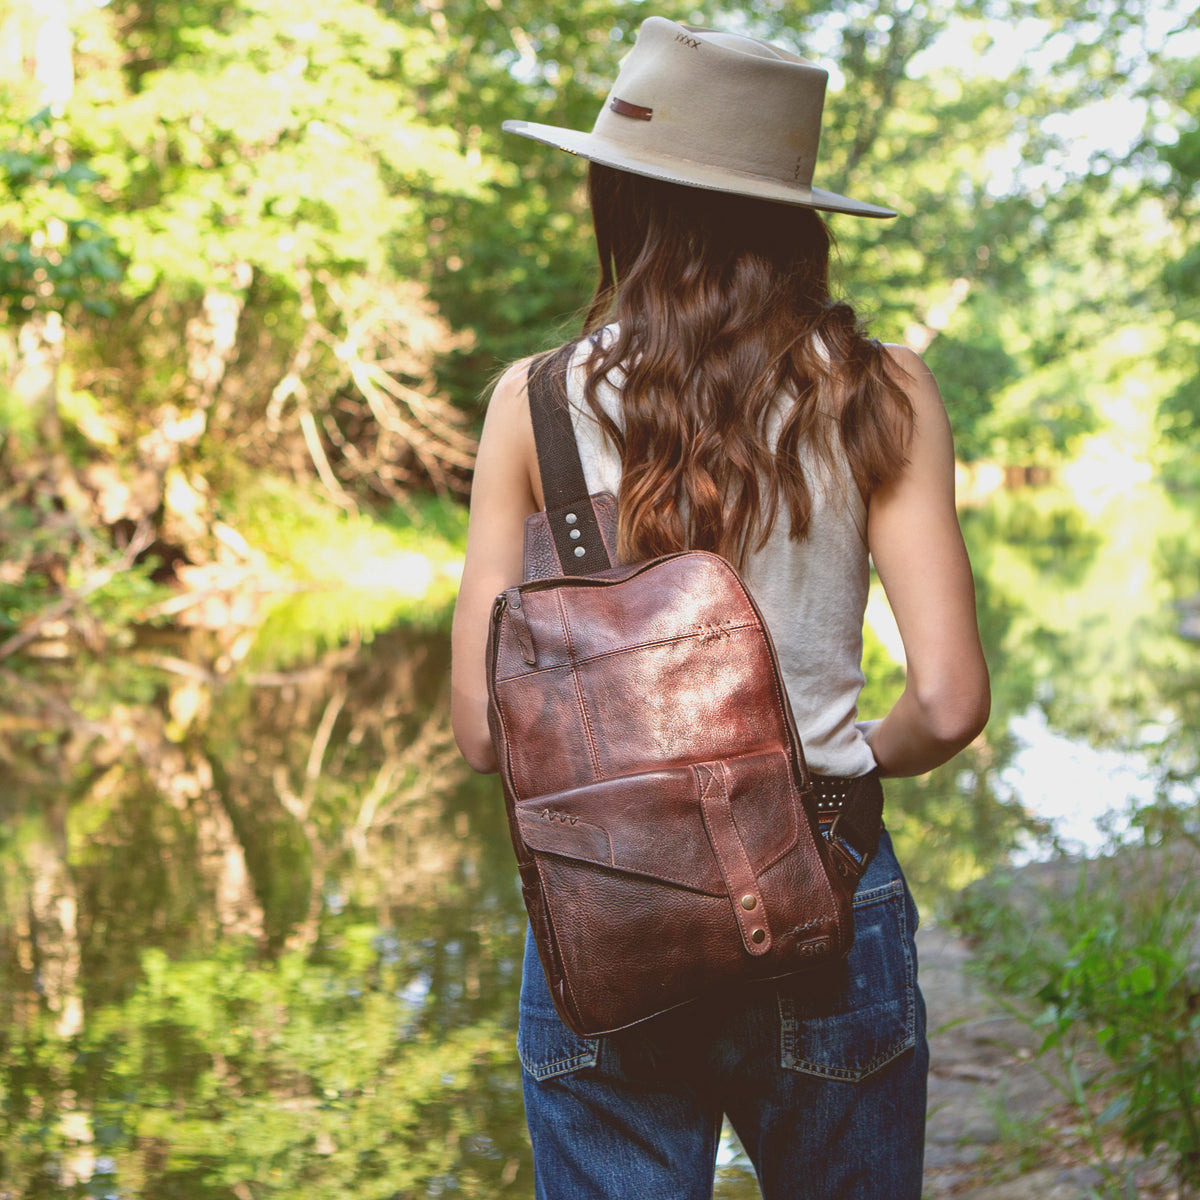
[1180, 410]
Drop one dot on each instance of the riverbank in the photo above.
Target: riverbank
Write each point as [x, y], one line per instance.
[1002, 1122]
[998, 1128]
[238, 858]
[277, 553]
[988, 1097]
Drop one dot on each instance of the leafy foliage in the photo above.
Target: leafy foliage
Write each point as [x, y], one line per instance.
[296, 239]
[1180, 410]
[52, 257]
[1106, 965]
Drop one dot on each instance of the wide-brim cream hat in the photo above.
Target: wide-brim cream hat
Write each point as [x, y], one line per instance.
[711, 110]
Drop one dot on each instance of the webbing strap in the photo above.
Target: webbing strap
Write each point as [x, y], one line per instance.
[573, 524]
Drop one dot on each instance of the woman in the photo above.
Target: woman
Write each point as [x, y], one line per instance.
[732, 405]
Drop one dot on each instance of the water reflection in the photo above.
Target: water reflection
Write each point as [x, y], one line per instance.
[261, 934]
[261, 931]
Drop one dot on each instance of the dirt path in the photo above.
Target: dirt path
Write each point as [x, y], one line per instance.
[986, 1098]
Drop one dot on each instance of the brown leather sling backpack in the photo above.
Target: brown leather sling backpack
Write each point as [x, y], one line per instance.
[667, 829]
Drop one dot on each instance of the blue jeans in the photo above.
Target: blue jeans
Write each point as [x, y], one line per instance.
[821, 1075]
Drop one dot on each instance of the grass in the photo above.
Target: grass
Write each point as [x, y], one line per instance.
[346, 575]
[303, 535]
[1100, 960]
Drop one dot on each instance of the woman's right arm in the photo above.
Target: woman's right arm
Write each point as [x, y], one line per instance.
[504, 491]
[918, 551]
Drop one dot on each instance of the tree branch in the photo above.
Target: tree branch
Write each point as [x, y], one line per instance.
[143, 536]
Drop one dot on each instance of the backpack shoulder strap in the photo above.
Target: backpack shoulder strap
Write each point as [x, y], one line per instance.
[572, 521]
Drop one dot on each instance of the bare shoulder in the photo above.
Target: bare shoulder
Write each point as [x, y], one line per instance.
[909, 361]
[507, 418]
[917, 381]
[911, 373]
[507, 452]
[511, 389]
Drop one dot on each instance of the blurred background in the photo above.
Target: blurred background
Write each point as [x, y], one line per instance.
[259, 261]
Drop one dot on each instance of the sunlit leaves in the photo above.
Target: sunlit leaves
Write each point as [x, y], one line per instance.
[52, 255]
[275, 138]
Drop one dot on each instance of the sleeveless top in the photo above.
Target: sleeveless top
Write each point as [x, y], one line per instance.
[813, 593]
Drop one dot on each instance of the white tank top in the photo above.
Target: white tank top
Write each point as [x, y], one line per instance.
[813, 593]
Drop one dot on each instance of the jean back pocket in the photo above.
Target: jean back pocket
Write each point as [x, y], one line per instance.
[545, 1046]
[847, 1021]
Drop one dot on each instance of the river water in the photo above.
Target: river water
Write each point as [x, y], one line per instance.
[261, 930]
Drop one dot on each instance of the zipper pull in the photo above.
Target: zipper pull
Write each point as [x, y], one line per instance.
[512, 597]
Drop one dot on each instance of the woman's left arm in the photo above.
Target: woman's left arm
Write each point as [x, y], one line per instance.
[505, 491]
[917, 546]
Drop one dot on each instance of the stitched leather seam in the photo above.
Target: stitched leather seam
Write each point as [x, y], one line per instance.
[780, 695]
[705, 784]
[529, 545]
[716, 842]
[507, 771]
[587, 723]
[621, 869]
[667, 641]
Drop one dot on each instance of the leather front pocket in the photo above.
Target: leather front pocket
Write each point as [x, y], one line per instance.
[651, 824]
[635, 881]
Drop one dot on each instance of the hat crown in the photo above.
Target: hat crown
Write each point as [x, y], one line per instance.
[723, 100]
[713, 110]
[741, 43]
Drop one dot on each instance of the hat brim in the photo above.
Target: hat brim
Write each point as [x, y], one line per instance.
[692, 174]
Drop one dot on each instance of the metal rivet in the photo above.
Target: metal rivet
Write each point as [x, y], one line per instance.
[579, 551]
[570, 518]
[577, 533]
[758, 936]
[748, 901]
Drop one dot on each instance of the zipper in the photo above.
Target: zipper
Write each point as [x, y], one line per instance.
[604, 579]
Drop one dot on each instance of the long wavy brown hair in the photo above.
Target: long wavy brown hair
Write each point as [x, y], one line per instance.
[722, 307]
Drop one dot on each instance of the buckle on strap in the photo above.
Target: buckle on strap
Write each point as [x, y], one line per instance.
[849, 860]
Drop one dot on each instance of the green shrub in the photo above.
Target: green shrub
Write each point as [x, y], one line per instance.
[1101, 959]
